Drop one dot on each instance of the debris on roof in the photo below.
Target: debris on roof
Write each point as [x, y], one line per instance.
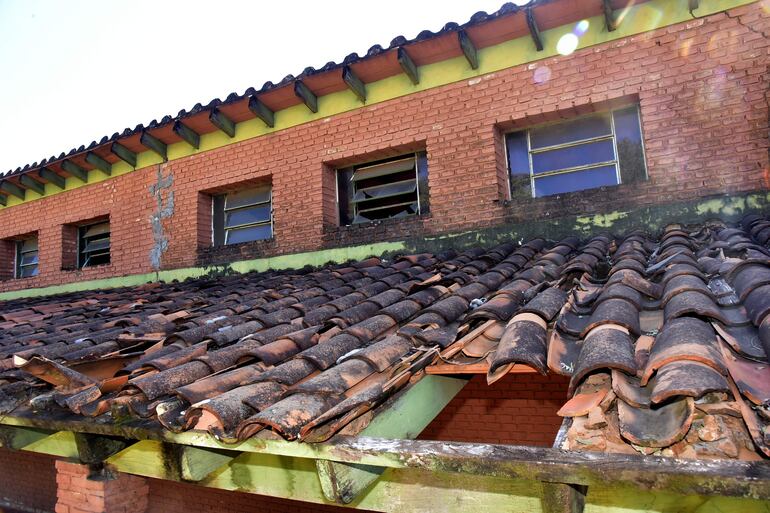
[665, 341]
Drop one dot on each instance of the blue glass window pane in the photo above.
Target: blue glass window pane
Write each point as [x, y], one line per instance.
[28, 258]
[518, 164]
[248, 197]
[587, 127]
[572, 156]
[577, 181]
[629, 142]
[247, 216]
[27, 272]
[249, 233]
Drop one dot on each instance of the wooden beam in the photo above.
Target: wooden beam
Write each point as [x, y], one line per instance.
[98, 162]
[151, 142]
[306, 95]
[196, 463]
[468, 48]
[3, 200]
[96, 449]
[17, 437]
[187, 134]
[262, 111]
[12, 188]
[32, 184]
[354, 83]
[534, 32]
[693, 5]
[52, 178]
[60, 443]
[563, 498]
[73, 169]
[609, 16]
[408, 65]
[222, 122]
[124, 154]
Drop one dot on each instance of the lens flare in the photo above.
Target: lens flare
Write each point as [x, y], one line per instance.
[567, 44]
[581, 28]
[542, 75]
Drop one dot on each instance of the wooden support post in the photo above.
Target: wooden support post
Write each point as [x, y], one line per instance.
[306, 95]
[468, 48]
[12, 188]
[262, 111]
[52, 178]
[73, 169]
[187, 134]
[408, 65]
[32, 184]
[354, 83]
[222, 122]
[151, 142]
[563, 498]
[95, 449]
[98, 162]
[124, 154]
[609, 16]
[533, 29]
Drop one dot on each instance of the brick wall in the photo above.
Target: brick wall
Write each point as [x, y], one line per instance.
[701, 86]
[27, 481]
[519, 409]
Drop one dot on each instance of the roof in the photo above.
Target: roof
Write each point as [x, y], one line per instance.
[665, 340]
[481, 30]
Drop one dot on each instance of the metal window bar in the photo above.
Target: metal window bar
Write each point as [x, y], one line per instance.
[269, 221]
[384, 170]
[26, 254]
[574, 169]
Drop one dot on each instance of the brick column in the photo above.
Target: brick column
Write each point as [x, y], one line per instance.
[118, 493]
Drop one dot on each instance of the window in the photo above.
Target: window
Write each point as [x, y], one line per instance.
[392, 188]
[94, 244]
[26, 258]
[243, 216]
[583, 153]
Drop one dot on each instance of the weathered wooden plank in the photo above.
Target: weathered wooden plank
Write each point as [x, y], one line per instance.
[73, 169]
[98, 162]
[124, 154]
[306, 95]
[12, 437]
[196, 463]
[468, 48]
[52, 178]
[32, 184]
[12, 188]
[609, 17]
[408, 65]
[148, 458]
[222, 122]
[534, 31]
[262, 111]
[96, 448]
[354, 83]
[187, 134]
[151, 142]
[563, 498]
[61, 443]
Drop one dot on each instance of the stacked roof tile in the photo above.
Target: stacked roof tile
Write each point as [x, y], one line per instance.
[665, 340]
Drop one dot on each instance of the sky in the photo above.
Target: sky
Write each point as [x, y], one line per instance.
[73, 71]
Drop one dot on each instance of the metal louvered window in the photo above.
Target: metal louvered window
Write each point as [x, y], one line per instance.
[387, 189]
[590, 151]
[243, 216]
[94, 244]
[26, 258]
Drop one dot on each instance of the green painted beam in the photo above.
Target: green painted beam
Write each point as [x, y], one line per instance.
[468, 48]
[12, 188]
[61, 443]
[222, 122]
[408, 65]
[98, 162]
[534, 31]
[124, 154]
[354, 83]
[16, 437]
[32, 184]
[196, 463]
[73, 169]
[187, 134]
[148, 458]
[52, 178]
[262, 111]
[307, 96]
[151, 142]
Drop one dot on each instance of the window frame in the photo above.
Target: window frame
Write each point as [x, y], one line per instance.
[18, 266]
[219, 229]
[82, 257]
[420, 178]
[574, 169]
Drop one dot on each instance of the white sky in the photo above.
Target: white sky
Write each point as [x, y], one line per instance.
[72, 71]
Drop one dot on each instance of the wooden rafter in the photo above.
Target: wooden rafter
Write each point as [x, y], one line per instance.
[306, 95]
[12, 188]
[98, 162]
[468, 48]
[222, 122]
[262, 111]
[354, 83]
[151, 142]
[187, 134]
[123, 154]
[609, 16]
[30, 183]
[75, 170]
[52, 178]
[408, 65]
[534, 31]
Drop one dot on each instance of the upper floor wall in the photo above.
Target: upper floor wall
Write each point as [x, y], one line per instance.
[701, 87]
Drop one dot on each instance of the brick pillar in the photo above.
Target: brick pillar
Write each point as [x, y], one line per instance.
[117, 493]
